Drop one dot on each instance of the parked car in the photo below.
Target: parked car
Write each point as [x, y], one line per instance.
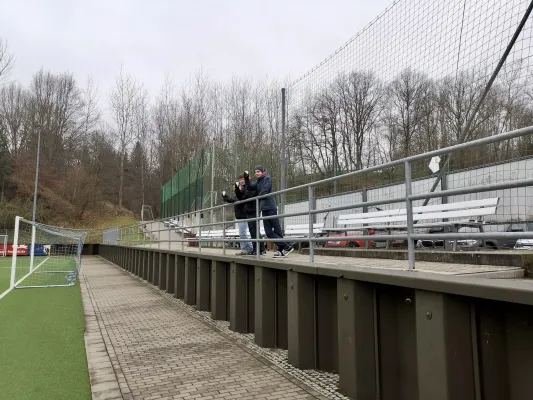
[345, 242]
[524, 244]
[520, 244]
[503, 243]
[495, 244]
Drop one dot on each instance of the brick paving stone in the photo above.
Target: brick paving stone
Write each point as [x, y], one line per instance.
[160, 351]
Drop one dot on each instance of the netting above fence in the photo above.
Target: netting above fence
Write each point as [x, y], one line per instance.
[410, 83]
[438, 38]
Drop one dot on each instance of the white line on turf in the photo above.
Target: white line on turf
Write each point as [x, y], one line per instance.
[24, 277]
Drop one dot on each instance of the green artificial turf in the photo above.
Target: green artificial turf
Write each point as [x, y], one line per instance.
[42, 350]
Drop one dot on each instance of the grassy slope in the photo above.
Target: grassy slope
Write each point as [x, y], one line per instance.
[42, 351]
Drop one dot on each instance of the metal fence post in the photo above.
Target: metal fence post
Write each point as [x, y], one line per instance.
[158, 236]
[409, 209]
[224, 229]
[257, 229]
[444, 200]
[364, 198]
[311, 243]
[200, 233]
[183, 234]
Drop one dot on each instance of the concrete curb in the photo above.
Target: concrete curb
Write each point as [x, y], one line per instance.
[104, 382]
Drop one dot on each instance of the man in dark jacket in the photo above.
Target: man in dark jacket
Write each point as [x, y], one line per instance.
[268, 207]
[239, 188]
[250, 211]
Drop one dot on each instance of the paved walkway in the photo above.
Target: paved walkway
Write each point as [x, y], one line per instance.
[142, 346]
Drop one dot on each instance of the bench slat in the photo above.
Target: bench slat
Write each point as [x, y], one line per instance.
[302, 230]
[304, 226]
[492, 202]
[404, 226]
[418, 217]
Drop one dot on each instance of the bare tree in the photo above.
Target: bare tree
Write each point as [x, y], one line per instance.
[407, 95]
[429, 137]
[165, 122]
[360, 94]
[56, 107]
[142, 128]
[89, 117]
[326, 120]
[458, 98]
[7, 60]
[13, 109]
[124, 102]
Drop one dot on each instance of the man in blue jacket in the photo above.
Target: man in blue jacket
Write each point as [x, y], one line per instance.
[268, 207]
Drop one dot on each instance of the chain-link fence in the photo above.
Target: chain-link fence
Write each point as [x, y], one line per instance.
[184, 192]
[422, 76]
[201, 182]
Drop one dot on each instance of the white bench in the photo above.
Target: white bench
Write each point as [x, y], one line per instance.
[302, 230]
[182, 229]
[171, 222]
[231, 233]
[396, 219]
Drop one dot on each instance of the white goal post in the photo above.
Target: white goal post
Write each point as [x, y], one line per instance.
[3, 243]
[44, 255]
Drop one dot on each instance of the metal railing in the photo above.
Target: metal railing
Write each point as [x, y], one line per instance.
[141, 234]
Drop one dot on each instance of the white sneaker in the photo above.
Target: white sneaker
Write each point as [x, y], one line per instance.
[288, 251]
[284, 253]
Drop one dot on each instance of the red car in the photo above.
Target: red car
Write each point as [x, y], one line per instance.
[346, 243]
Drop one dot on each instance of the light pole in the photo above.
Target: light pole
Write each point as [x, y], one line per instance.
[33, 230]
[36, 173]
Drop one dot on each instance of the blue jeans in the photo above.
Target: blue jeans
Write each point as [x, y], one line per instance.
[243, 234]
[273, 229]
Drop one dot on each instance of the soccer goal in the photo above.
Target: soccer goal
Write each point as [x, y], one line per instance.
[45, 256]
[3, 245]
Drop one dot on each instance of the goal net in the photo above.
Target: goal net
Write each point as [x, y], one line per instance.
[3, 245]
[44, 255]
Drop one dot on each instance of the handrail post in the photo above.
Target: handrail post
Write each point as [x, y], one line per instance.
[311, 243]
[158, 236]
[409, 209]
[257, 229]
[200, 232]
[224, 229]
[183, 234]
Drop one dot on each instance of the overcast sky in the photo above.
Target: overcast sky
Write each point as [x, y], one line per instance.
[225, 38]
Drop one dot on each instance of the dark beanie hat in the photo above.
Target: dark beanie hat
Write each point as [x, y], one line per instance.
[259, 168]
